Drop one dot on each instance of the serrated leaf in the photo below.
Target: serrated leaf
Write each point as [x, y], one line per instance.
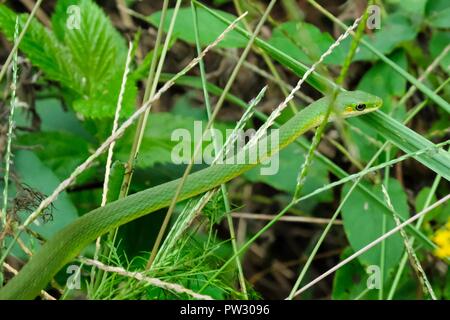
[88, 60]
[97, 48]
[99, 52]
[41, 47]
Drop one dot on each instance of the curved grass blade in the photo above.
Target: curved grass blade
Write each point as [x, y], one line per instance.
[437, 160]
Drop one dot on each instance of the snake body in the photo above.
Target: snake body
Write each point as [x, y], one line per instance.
[65, 245]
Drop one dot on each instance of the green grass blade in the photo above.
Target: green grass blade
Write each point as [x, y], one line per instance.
[410, 141]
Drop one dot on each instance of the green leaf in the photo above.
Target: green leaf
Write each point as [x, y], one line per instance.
[34, 173]
[60, 151]
[209, 27]
[88, 61]
[350, 281]
[437, 159]
[157, 144]
[305, 42]
[53, 117]
[441, 19]
[97, 48]
[99, 52]
[290, 161]
[42, 48]
[363, 224]
[115, 180]
[413, 8]
[440, 214]
[438, 13]
[383, 81]
[395, 29]
[439, 40]
[185, 107]
[60, 17]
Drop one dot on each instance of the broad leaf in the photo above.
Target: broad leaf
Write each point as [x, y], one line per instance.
[363, 224]
[209, 27]
[438, 13]
[36, 175]
[305, 42]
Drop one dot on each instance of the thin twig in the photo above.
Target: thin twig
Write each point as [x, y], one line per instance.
[419, 222]
[260, 216]
[124, 16]
[8, 155]
[40, 14]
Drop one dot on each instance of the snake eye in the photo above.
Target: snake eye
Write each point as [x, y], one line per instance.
[360, 107]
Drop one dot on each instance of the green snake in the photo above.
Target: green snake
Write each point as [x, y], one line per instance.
[65, 245]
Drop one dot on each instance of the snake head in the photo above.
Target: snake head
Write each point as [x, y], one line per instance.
[354, 103]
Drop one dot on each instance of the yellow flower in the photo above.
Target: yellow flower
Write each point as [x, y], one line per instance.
[442, 239]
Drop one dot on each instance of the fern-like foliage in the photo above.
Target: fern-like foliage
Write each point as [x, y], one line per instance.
[87, 60]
